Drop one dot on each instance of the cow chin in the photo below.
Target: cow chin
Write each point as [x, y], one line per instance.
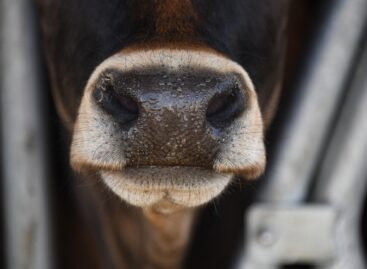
[166, 187]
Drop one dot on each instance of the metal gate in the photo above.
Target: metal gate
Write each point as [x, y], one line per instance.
[309, 210]
[25, 199]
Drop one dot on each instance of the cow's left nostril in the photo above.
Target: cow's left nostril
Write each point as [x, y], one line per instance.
[121, 107]
[223, 108]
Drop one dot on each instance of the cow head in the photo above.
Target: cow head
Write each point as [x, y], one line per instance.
[166, 100]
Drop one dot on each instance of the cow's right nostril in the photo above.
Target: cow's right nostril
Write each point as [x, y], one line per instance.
[223, 108]
[120, 106]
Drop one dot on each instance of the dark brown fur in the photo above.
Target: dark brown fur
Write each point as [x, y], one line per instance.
[172, 23]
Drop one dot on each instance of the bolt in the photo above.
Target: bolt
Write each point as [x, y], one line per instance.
[265, 237]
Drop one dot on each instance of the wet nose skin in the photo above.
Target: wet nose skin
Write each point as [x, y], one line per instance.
[167, 118]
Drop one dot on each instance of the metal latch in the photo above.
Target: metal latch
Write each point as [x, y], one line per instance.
[284, 235]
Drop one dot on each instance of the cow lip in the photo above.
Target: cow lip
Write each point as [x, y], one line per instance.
[156, 173]
[164, 168]
[184, 186]
[161, 167]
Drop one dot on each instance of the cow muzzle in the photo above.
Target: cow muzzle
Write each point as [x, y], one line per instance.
[169, 126]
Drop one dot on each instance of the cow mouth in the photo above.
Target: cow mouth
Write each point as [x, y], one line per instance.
[177, 186]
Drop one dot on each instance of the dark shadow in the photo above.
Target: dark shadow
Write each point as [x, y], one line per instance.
[297, 266]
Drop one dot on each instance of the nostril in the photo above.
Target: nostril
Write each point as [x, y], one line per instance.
[223, 108]
[120, 106]
[129, 104]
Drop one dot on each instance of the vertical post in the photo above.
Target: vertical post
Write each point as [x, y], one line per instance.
[24, 176]
[313, 109]
[302, 148]
[342, 181]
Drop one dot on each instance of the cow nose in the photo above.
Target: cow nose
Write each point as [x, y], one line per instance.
[175, 118]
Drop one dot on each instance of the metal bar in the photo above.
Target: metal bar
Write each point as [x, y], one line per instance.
[310, 117]
[27, 241]
[342, 182]
[306, 132]
[287, 235]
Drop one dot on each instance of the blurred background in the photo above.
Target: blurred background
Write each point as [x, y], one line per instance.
[310, 211]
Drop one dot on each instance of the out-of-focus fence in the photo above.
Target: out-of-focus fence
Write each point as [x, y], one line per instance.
[24, 175]
[310, 207]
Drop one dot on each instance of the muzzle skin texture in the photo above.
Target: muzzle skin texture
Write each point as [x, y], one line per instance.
[169, 126]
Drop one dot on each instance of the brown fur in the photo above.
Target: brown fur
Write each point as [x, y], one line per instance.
[174, 19]
[168, 236]
[127, 237]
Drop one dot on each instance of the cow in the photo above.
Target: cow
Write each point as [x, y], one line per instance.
[165, 104]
